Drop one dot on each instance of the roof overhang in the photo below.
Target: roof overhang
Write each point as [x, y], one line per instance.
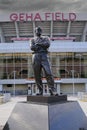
[56, 46]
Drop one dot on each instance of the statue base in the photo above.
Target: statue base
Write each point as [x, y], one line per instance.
[47, 99]
[47, 113]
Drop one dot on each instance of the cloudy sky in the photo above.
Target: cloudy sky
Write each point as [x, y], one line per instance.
[44, 5]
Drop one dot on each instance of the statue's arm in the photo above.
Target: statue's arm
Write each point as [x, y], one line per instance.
[45, 42]
[33, 46]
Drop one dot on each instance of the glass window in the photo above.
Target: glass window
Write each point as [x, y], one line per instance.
[63, 65]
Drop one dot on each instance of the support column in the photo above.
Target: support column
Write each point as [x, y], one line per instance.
[33, 28]
[33, 89]
[85, 87]
[84, 33]
[51, 33]
[2, 68]
[17, 30]
[58, 88]
[29, 68]
[58, 66]
[2, 36]
[68, 29]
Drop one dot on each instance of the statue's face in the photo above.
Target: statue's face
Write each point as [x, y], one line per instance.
[38, 31]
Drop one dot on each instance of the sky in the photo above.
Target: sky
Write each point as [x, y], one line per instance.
[79, 6]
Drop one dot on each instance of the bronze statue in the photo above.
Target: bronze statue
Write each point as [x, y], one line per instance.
[39, 45]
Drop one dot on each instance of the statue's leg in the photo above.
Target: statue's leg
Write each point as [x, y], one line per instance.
[37, 72]
[49, 76]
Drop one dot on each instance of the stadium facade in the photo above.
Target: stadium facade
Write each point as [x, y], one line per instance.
[67, 54]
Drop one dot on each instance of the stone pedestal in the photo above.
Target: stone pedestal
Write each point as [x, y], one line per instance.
[47, 99]
[51, 115]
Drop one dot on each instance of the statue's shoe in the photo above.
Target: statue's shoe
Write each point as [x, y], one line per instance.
[40, 93]
[53, 93]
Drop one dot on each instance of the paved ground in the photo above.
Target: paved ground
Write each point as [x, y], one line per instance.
[6, 108]
[83, 104]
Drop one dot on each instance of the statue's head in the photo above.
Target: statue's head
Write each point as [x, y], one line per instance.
[38, 31]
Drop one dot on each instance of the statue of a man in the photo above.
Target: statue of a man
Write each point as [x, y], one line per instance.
[39, 45]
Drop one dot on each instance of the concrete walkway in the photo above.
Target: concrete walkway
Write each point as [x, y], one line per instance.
[6, 108]
[81, 103]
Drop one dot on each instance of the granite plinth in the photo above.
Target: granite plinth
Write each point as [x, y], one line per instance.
[47, 99]
[57, 116]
